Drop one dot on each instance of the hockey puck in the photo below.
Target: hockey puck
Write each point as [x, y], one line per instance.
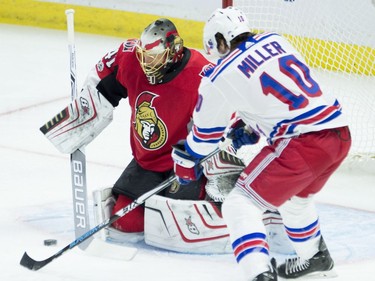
[50, 242]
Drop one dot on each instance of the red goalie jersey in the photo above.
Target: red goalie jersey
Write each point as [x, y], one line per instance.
[160, 113]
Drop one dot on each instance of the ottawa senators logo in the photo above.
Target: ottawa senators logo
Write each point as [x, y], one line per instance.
[150, 129]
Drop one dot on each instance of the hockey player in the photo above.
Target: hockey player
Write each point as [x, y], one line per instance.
[266, 82]
[151, 72]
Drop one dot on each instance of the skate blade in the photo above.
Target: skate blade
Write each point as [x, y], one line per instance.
[319, 275]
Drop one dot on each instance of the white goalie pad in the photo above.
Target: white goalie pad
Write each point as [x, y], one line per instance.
[104, 201]
[190, 226]
[80, 122]
[186, 226]
[103, 204]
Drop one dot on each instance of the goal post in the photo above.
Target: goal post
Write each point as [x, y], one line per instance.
[337, 39]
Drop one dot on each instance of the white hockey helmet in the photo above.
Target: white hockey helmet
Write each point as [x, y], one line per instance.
[230, 22]
[159, 47]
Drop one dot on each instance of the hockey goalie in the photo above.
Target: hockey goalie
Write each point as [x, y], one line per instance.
[192, 226]
[189, 226]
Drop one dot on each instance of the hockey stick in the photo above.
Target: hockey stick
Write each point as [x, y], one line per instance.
[78, 157]
[92, 246]
[32, 264]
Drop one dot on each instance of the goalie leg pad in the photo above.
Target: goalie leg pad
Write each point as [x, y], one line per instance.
[80, 122]
[186, 226]
[104, 202]
[190, 226]
[103, 205]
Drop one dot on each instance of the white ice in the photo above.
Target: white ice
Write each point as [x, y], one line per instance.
[35, 183]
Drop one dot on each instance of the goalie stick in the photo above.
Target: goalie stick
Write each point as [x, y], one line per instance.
[92, 245]
[78, 157]
[32, 264]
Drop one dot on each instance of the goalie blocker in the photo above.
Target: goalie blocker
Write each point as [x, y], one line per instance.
[80, 122]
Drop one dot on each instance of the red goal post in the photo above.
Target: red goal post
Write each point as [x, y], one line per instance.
[227, 3]
[337, 39]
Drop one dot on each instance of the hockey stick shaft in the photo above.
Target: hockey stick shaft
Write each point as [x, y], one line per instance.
[32, 264]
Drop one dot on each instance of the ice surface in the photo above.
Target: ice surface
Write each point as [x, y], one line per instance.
[35, 184]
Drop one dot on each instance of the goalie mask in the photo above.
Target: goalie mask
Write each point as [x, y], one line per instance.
[229, 22]
[160, 47]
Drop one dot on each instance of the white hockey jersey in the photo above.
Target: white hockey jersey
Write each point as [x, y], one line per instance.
[268, 85]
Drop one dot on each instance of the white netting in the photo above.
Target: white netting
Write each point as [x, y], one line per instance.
[337, 38]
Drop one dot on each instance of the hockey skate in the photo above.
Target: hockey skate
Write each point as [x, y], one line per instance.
[270, 275]
[319, 266]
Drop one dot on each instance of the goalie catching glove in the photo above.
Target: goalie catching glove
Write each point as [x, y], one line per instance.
[186, 167]
[222, 171]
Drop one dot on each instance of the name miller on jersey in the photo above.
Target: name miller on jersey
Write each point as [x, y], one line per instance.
[259, 56]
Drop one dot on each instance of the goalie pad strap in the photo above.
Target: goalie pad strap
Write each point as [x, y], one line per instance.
[80, 122]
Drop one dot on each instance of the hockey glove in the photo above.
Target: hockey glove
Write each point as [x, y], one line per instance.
[186, 167]
[241, 135]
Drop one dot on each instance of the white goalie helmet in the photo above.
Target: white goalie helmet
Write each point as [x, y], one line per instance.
[230, 22]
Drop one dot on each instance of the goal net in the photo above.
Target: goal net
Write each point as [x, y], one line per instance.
[337, 39]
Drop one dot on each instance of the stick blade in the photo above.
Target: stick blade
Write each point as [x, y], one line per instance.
[32, 264]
